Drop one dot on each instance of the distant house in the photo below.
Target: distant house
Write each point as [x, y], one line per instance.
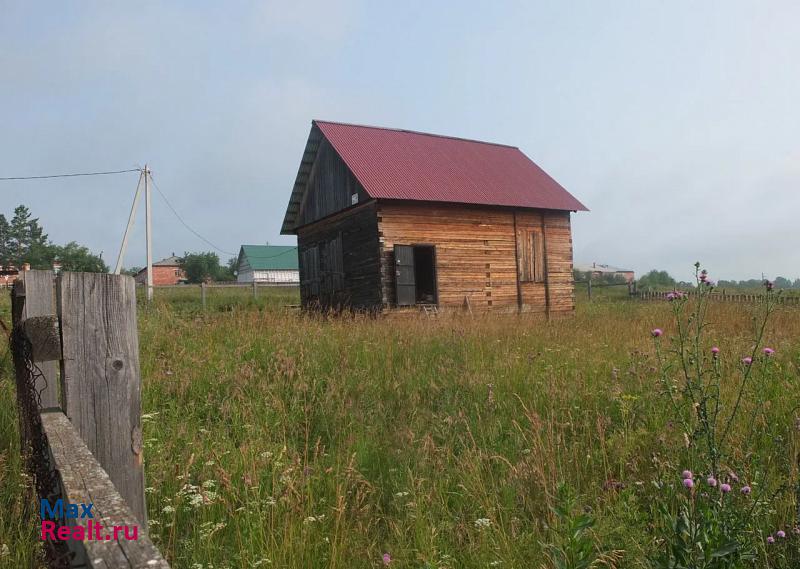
[390, 218]
[8, 274]
[599, 270]
[167, 271]
[276, 264]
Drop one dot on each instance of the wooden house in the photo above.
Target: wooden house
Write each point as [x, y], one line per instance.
[268, 264]
[392, 218]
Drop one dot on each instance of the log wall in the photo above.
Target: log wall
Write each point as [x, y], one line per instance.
[476, 253]
[359, 284]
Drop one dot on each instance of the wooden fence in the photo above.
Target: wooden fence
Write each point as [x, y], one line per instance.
[76, 355]
[720, 296]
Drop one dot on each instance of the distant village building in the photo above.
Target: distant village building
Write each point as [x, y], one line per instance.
[275, 264]
[599, 270]
[391, 218]
[167, 271]
[8, 275]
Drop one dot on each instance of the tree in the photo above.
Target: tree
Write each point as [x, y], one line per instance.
[5, 242]
[74, 257]
[27, 241]
[656, 279]
[782, 282]
[23, 240]
[201, 267]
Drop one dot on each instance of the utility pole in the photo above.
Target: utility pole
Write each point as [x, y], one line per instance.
[148, 200]
[131, 219]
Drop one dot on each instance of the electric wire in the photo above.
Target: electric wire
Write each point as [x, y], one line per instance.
[186, 225]
[109, 172]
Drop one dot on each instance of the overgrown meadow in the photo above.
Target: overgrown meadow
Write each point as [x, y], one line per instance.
[276, 439]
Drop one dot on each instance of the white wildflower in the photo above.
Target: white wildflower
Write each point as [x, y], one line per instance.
[401, 494]
[483, 523]
[4, 551]
[168, 510]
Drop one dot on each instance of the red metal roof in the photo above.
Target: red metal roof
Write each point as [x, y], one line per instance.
[407, 165]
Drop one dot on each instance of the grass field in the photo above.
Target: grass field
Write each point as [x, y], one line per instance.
[275, 439]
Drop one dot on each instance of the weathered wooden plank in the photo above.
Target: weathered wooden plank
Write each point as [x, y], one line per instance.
[84, 481]
[101, 378]
[39, 300]
[45, 337]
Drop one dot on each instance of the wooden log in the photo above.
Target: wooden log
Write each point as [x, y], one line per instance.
[34, 296]
[44, 334]
[84, 481]
[101, 378]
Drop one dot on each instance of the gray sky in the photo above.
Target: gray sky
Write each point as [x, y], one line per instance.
[676, 123]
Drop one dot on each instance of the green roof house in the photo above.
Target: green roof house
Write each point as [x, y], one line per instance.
[268, 264]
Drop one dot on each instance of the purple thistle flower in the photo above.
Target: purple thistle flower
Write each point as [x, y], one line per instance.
[715, 351]
[387, 558]
[770, 539]
[671, 296]
[725, 488]
[745, 490]
[768, 351]
[656, 332]
[687, 474]
[732, 476]
[769, 284]
[712, 481]
[747, 361]
[688, 483]
[780, 533]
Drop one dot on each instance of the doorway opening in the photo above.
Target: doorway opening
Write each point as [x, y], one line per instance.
[415, 281]
[425, 272]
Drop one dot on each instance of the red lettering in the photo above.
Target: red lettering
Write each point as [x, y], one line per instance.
[64, 533]
[48, 528]
[97, 528]
[135, 533]
[117, 529]
[78, 533]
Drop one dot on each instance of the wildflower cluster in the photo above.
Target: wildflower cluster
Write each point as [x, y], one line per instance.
[712, 521]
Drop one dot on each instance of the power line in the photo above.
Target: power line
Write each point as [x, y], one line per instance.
[71, 175]
[186, 225]
[291, 250]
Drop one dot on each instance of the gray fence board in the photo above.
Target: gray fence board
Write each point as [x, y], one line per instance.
[101, 377]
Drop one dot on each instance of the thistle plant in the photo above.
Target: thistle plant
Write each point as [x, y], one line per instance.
[691, 372]
[712, 520]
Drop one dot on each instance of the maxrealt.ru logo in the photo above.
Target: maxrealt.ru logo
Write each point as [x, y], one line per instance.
[78, 523]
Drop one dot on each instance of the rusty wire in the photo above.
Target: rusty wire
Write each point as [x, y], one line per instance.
[34, 445]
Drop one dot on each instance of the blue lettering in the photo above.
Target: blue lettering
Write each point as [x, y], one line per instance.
[57, 511]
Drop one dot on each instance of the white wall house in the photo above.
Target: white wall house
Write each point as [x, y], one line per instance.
[268, 264]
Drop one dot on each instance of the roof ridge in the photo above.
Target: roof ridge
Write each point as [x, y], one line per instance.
[419, 132]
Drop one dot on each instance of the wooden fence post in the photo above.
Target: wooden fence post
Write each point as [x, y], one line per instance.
[255, 289]
[203, 294]
[33, 295]
[100, 375]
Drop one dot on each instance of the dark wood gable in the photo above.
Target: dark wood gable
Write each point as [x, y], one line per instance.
[331, 187]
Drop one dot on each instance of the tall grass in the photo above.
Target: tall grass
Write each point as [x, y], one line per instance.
[275, 438]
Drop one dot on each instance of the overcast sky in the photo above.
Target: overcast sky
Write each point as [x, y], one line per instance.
[677, 123]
